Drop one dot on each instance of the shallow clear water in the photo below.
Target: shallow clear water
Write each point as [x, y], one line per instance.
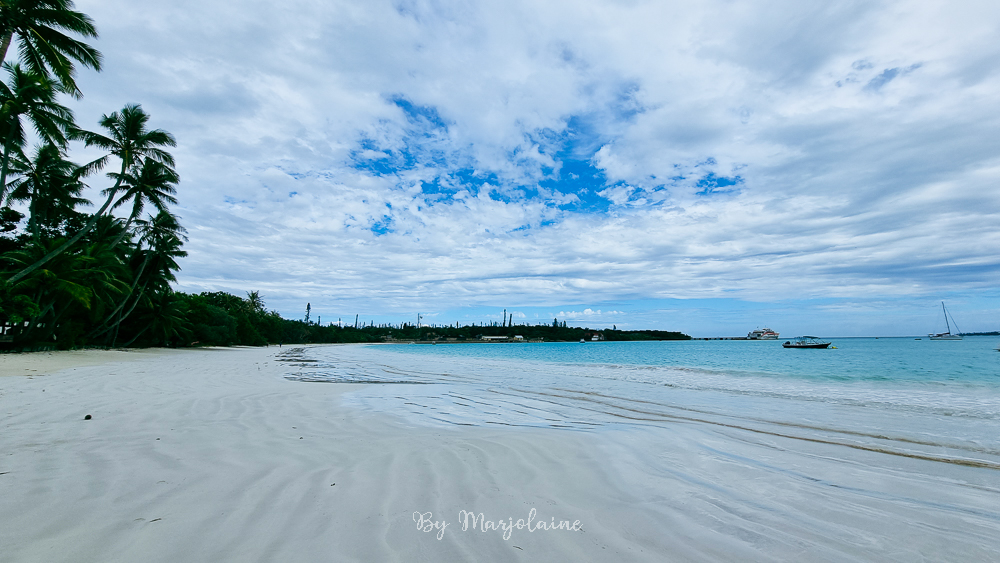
[939, 400]
[880, 449]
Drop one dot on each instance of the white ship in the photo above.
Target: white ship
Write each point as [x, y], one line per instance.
[762, 334]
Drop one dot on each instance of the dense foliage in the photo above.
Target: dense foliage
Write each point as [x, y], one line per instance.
[68, 277]
[224, 319]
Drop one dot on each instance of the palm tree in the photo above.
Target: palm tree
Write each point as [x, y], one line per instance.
[29, 95]
[155, 265]
[106, 273]
[161, 229]
[255, 301]
[130, 141]
[50, 184]
[65, 285]
[42, 45]
[164, 236]
[153, 183]
[107, 230]
[166, 319]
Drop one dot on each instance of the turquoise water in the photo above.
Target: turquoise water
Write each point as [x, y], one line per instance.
[940, 394]
[973, 360]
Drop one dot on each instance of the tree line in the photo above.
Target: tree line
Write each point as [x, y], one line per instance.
[222, 319]
[69, 277]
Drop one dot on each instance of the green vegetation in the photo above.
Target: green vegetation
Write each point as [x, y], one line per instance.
[69, 278]
[221, 319]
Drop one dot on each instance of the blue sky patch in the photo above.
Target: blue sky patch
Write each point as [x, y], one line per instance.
[422, 142]
[382, 226]
[426, 116]
[710, 184]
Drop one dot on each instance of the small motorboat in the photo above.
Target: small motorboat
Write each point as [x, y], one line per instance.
[810, 342]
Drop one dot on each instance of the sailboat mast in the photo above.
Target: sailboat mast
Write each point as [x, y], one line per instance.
[945, 311]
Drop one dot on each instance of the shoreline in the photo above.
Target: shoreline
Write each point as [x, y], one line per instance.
[212, 454]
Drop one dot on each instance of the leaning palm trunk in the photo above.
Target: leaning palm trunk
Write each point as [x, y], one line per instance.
[121, 318]
[134, 338]
[35, 321]
[5, 45]
[90, 225]
[33, 219]
[128, 223]
[130, 140]
[103, 329]
[6, 163]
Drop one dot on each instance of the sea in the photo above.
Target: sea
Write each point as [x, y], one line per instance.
[907, 394]
[902, 433]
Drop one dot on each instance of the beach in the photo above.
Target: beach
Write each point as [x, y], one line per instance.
[215, 455]
[210, 455]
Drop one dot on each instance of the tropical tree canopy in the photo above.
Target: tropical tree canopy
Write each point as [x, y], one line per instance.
[153, 183]
[41, 27]
[51, 185]
[30, 96]
[127, 138]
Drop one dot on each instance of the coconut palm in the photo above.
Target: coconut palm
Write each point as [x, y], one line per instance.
[68, 287]
[108, 230]
[153, 183]
[165, 240]
[107, 275]
[154, 266]
[164, 236]
[255, 301]
[50, 184]
[43, 47]
[28, 95]
[130, 141]
[165, 319]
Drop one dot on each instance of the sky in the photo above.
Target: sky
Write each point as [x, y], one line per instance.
[710, 167]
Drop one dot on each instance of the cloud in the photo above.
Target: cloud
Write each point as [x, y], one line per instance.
[586, 314]
[461, 154]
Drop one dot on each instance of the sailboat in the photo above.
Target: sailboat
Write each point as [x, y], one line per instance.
[946, 335]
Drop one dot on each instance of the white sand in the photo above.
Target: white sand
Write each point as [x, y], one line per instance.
[210, 455]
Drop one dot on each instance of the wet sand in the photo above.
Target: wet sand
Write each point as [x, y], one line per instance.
[212, 455]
